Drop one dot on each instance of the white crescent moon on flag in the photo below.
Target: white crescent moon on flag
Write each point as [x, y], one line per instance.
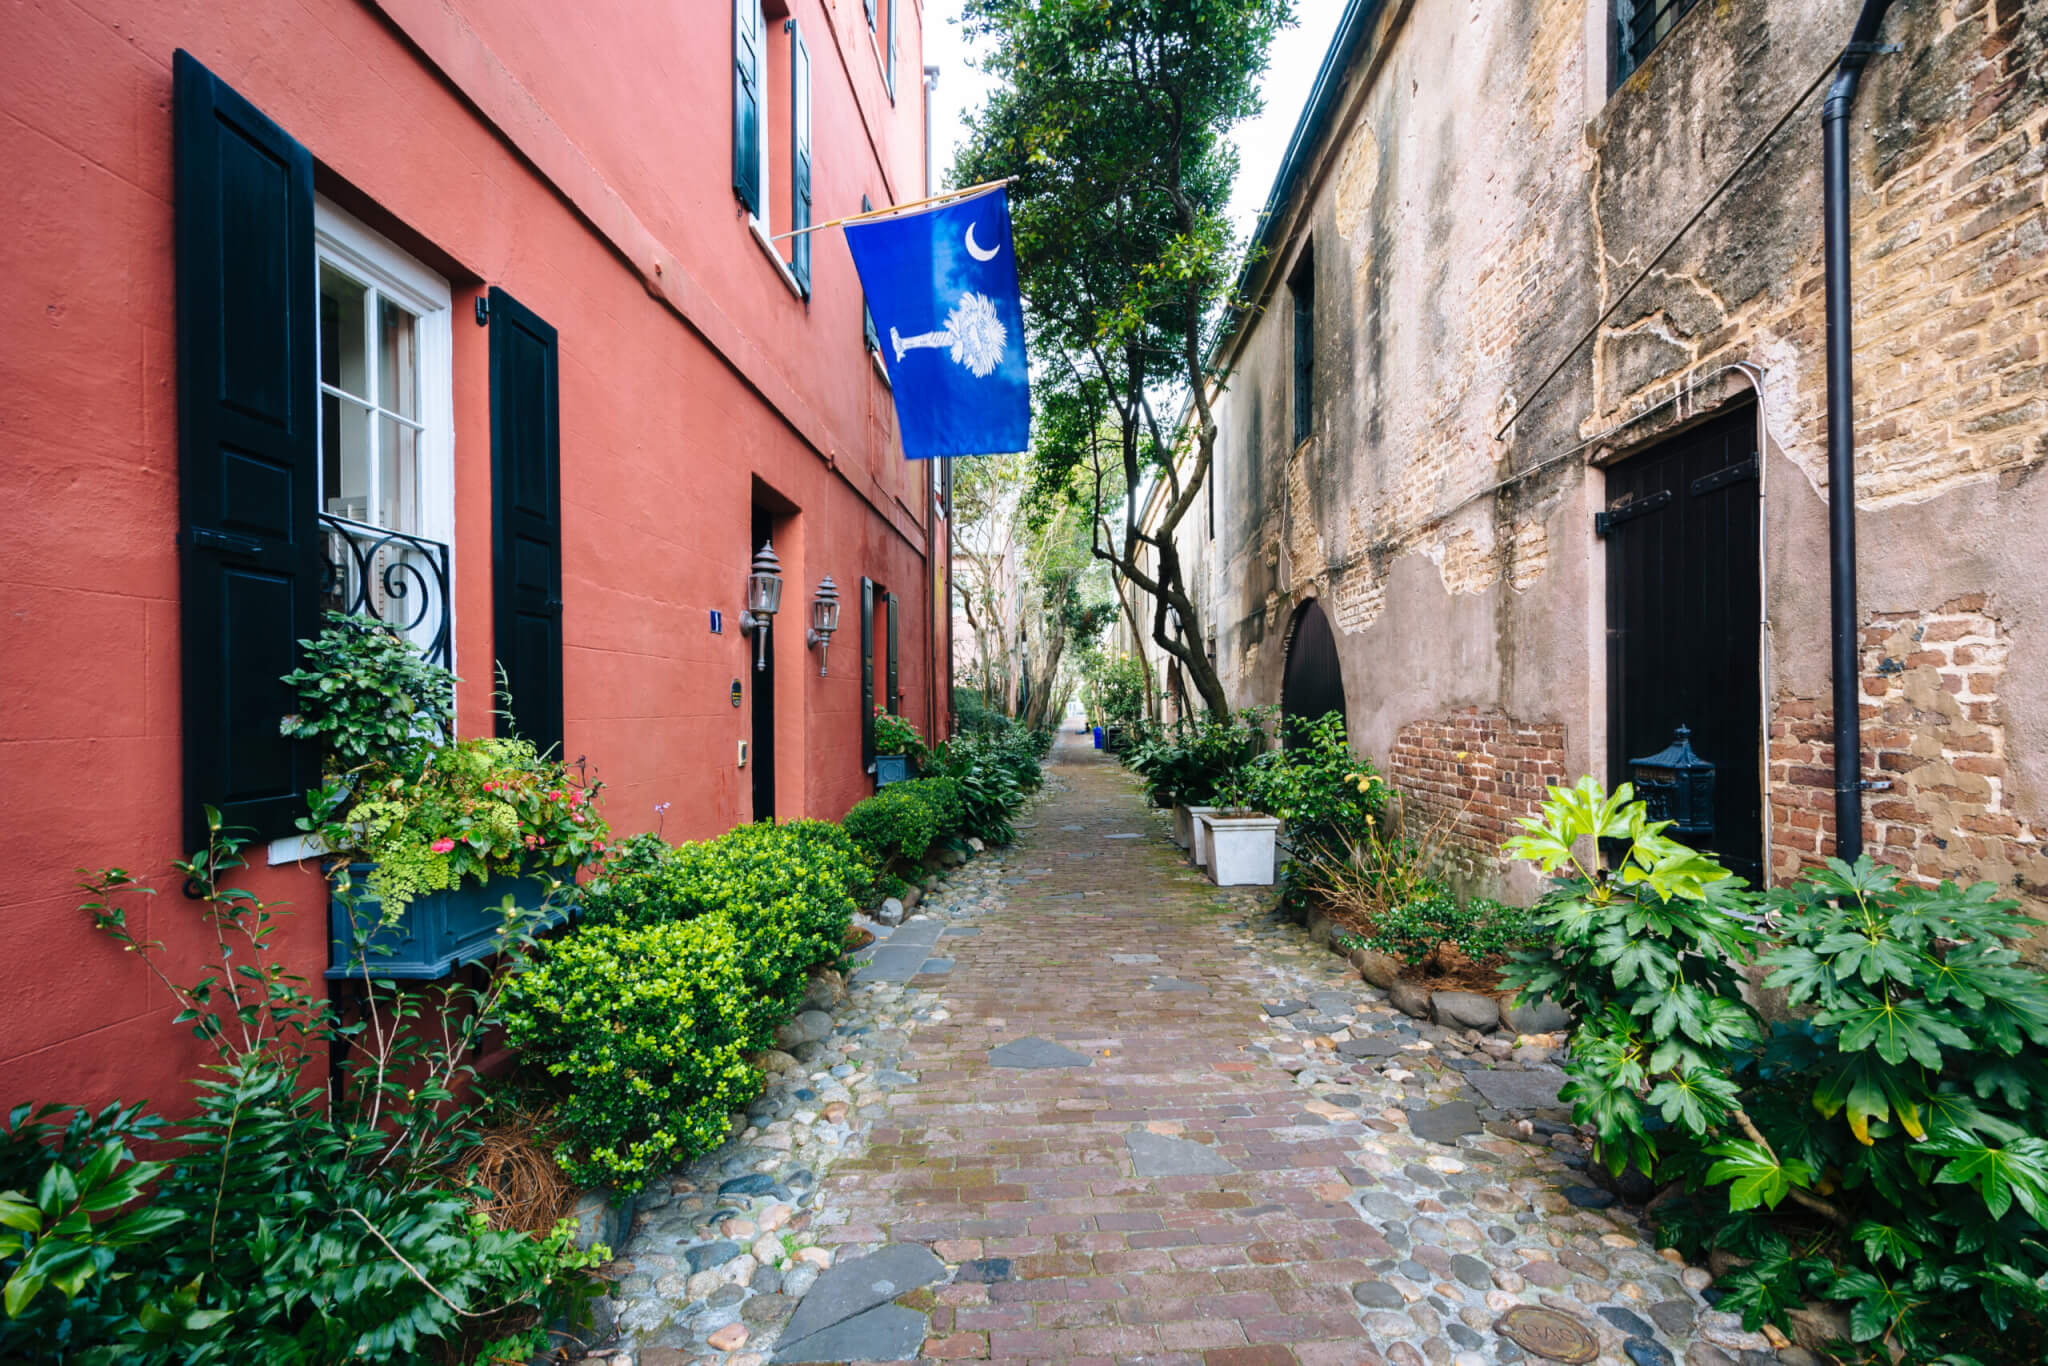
[976, 252]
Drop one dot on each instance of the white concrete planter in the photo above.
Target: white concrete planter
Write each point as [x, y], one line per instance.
[1198, 834]
[1241, 850]
[1183, 826]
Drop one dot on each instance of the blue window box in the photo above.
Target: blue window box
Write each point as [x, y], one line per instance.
[891, 768]
[438, 932]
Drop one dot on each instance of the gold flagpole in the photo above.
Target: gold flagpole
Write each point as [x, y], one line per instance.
[888, 209]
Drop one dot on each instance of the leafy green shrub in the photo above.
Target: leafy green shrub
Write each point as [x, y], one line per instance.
[899, 823]
[1324, 792]
[993, 771]
[1884, 1151]
[789, 891]
[369, 697]
[972, 714]
[645, 1029]
[1192, 761]
[1114, 689]
[280, 1227]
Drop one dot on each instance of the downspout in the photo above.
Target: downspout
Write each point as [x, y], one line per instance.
[1834, 122]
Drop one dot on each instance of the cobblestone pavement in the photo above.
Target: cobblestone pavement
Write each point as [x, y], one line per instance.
[1138, 1119]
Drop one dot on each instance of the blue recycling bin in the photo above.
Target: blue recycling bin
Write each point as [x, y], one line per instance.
[1098, 737]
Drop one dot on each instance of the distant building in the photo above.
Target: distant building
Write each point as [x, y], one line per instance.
[480, 316]
[1523, 439]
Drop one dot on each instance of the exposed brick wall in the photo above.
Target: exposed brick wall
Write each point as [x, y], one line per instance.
[1480, 771]
[1933, 726]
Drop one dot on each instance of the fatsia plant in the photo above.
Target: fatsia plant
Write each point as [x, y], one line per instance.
[1648, 955]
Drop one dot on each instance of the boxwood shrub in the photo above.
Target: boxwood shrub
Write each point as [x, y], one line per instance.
[899, 823]
[789, 891]
[645, 1029]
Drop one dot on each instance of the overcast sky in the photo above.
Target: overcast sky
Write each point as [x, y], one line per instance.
[1297, 56]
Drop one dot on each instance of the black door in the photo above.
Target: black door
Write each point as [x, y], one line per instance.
[1683, 619]
[1313, 684]
[762, 756]
[526, 508]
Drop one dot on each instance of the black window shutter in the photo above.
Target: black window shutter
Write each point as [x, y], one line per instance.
[871, 338]
[248, 451]
[748, 43]
[526, 520]
[867, 672]
[895, 697]
[800, 155]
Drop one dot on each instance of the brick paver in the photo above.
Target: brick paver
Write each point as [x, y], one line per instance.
[1246, 1268]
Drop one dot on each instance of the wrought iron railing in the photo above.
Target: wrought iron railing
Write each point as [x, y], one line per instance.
[401, 580]
[1639, 26]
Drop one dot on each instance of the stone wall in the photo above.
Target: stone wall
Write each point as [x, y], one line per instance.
[1481, 201]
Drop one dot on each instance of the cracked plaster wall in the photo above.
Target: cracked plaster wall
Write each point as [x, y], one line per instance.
[1481, 202]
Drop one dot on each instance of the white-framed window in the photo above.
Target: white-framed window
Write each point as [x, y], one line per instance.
[387, 431]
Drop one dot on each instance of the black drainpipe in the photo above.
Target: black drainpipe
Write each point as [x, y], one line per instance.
[1834, 123]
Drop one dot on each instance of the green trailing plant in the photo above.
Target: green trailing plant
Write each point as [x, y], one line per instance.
[897, 825]
[369, 697]
[644, 1031]
[472, 810]
[280, 1226]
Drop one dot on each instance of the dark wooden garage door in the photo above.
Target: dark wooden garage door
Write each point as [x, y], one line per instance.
[1684, 618]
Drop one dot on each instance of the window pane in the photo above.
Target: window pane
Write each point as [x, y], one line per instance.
[398, 494]
[345, 458]
[398, 362]
[342, 362]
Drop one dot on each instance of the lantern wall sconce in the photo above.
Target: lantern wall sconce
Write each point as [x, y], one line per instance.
[764, 600]
[824, 618]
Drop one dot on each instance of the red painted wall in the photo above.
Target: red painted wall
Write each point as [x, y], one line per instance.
[577, 156]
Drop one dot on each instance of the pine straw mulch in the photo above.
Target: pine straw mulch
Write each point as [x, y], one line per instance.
[529, 1193]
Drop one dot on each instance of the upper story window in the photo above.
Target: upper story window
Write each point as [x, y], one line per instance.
[386, 438]
[771, 132]
[1639, 25]
[1302, 285]
[882, 28]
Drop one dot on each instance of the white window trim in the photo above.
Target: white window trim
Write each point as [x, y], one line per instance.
[367, 254]
[767, 245]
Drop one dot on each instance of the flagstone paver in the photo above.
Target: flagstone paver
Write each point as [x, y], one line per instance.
[1239, 1155]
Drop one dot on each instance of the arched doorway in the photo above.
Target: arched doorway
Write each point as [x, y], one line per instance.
[1313, 684]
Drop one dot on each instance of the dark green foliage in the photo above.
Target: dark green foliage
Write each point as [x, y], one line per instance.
[1114, 689]
[1187, 763]
[369, 697]
[972, 715]
[898, 824]
[644, 1026]
[1415, 930]
[789, 891]
[994, 771]
[1885, 1150]
[280, 1229]
[1324, 792]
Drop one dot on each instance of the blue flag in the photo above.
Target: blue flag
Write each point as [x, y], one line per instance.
[942, 286]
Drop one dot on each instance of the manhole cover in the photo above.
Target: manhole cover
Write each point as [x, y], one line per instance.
[1547, 1333]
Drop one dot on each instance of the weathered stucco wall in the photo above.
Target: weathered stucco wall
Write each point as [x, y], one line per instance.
[1479, 202]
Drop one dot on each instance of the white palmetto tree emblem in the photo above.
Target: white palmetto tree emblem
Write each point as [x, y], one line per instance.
[974, 333]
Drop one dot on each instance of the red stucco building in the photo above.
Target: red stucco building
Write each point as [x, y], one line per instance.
[478, 303]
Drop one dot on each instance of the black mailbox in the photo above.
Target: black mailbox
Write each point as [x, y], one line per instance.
[1676, 785]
